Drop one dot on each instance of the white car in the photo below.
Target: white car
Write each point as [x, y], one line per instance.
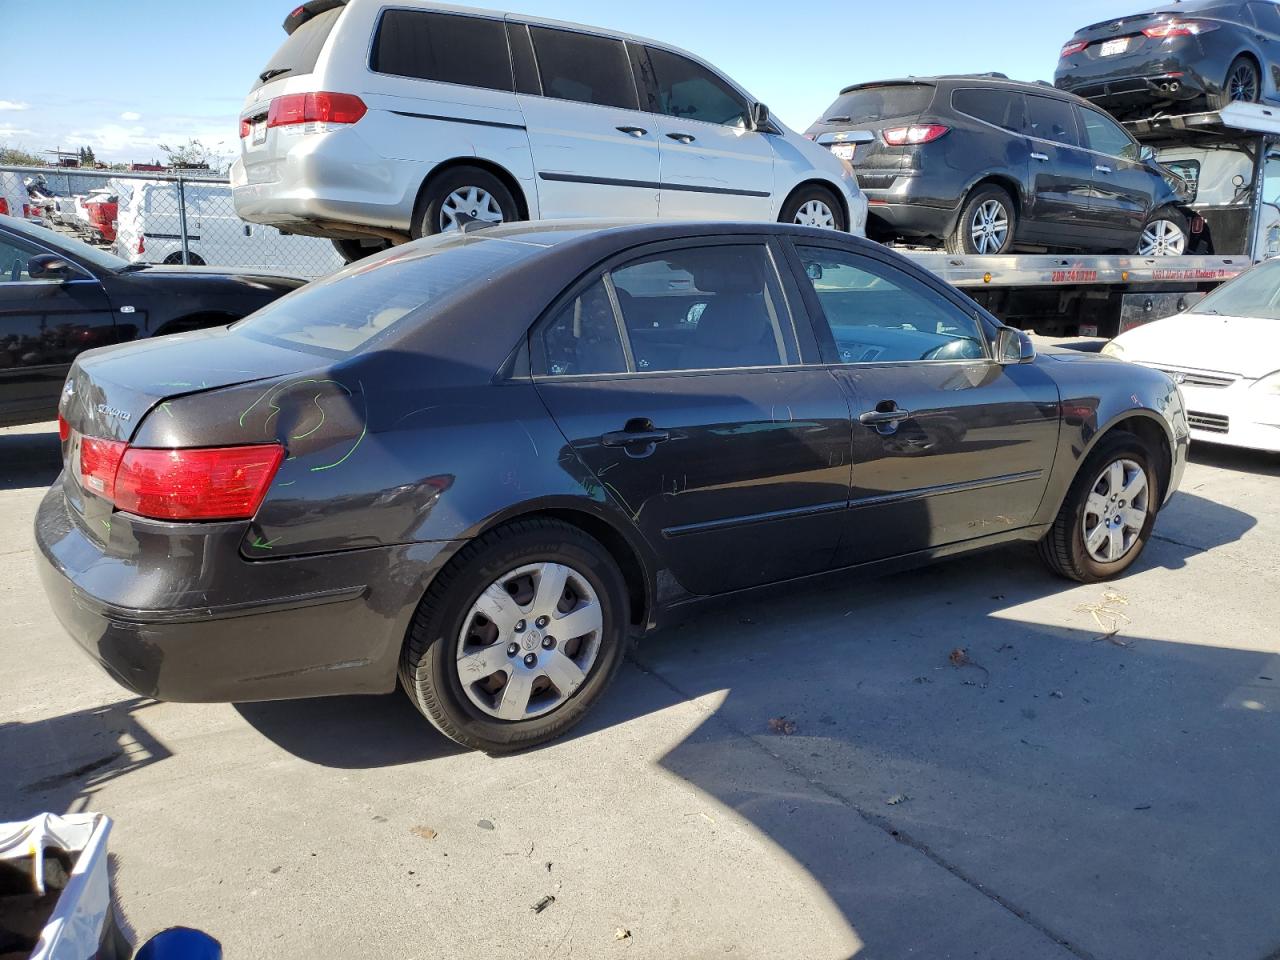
[1224, 354]
[149, 230]
[381, 121]
[15, 201]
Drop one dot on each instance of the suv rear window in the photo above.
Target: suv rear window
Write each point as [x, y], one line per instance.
[301, 49]
[442, 46]
[1001, 108]
[346, 312]
[880, 102]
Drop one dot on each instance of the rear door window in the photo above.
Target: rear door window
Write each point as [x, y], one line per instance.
[690, 91]
[1000, 108]
[867, 104]
[584, 68]
[1106, 136]
[1053, 120]
[1267, 16]
[471, 51]
[301, 49]
[583, 337]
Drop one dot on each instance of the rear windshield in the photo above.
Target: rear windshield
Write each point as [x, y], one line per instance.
[350, 310]
[1252, 294]
[877, 103]
[301, 49]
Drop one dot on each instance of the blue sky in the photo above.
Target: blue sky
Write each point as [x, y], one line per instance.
[125, 75]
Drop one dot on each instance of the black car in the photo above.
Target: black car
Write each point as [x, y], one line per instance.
[1203, 53]
[986, 165]
[59, 297]
[480, 462]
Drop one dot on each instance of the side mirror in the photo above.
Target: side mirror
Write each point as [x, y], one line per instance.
[813, 270]
[1237, 181]
[1146, 154]
[180, 943]
[1014, 346]
[759, 116]
[47, 266]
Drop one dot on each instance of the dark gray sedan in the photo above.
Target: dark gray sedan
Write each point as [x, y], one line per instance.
[478, 464]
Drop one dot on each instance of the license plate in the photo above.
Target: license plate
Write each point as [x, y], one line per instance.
[259, 133]
[844, 150]
[1112, 47]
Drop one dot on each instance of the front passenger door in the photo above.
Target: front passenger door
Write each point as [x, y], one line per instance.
[948, 445]
[1123, 187]
[43, 325]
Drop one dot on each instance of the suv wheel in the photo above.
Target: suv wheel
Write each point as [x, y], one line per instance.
[461, 196]
[813, 207]
[986, 225]
[1165, 235]
[518, 637]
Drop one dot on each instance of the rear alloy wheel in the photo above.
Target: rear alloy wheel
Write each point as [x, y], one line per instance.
[1243, 84]
[1165, 235]
[1107, 516]
[517, 637]
[460, 197]
[986, 224]
[813, 207]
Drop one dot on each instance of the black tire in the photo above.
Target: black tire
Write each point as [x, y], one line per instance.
[193, 260]
[428, 663]
[431, 207]
[351, 250]
[1170, 215]
[961, 238]
[1242, 83]
[1063, 548]
[813, 194]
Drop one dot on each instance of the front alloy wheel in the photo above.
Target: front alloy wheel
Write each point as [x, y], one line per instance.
[1162, 238]
[1115, 511]
[529, 641]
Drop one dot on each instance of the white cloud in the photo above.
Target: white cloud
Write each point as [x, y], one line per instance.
[130, 115]
[14, 105]
[8, 130]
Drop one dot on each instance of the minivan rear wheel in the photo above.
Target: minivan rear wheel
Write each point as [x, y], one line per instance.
[986, 224]
[461, 196]
[352, 249]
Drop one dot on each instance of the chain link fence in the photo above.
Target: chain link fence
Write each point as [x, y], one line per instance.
[184, 217]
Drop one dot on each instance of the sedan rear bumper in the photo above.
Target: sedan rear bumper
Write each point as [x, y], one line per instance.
[298, 627]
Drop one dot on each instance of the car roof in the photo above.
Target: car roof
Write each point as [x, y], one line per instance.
[997, 81]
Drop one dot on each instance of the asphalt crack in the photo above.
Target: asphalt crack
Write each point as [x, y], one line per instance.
[884, 824]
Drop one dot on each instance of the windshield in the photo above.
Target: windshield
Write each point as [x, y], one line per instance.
[76, 248]
[1252, 294]
[346, 312]
[877, 103]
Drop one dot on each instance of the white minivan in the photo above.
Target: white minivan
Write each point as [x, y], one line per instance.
[378, 121]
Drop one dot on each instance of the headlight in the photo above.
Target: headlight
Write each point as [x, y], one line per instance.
[1269, 384]
[1113, 349]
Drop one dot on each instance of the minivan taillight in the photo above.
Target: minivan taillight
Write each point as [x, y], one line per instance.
[920, 133]
[208, 483]
[245, 127]
[4, 206]
[294, 108]
[1072, 47]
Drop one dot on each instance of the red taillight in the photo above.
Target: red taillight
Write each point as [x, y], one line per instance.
[226, 483]
[921, 133]
[296, 108]
[64, 429]
[245, 127]
[1179, 28]
[1072, 47]
[141, 247]
[99, 461]
[29, 211]
[4, 206]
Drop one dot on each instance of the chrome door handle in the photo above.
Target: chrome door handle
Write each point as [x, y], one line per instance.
[879, 418]
[633, 131]
[638, 432]
[1102, 169]
[682, 137]
[1040, 156]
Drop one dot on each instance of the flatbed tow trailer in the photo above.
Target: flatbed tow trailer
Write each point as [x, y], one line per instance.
[1069, 295]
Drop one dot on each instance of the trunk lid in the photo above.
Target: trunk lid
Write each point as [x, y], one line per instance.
[1128, 29]
[875, 107]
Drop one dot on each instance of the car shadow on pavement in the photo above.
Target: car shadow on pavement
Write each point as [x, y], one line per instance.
[1236, 458]
[31, 457]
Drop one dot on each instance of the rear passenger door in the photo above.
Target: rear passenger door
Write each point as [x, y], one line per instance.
[1001, 145]
[1060, 209]
[595, 154]
[713, 164]
[676, 377]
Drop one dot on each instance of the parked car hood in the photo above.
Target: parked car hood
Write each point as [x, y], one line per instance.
[1246, 346]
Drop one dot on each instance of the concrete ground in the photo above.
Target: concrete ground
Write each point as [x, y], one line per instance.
[1097, 779]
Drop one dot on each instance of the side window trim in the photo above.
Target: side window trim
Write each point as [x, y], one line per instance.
[524, 62]
[790, 312]
[822, 325]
